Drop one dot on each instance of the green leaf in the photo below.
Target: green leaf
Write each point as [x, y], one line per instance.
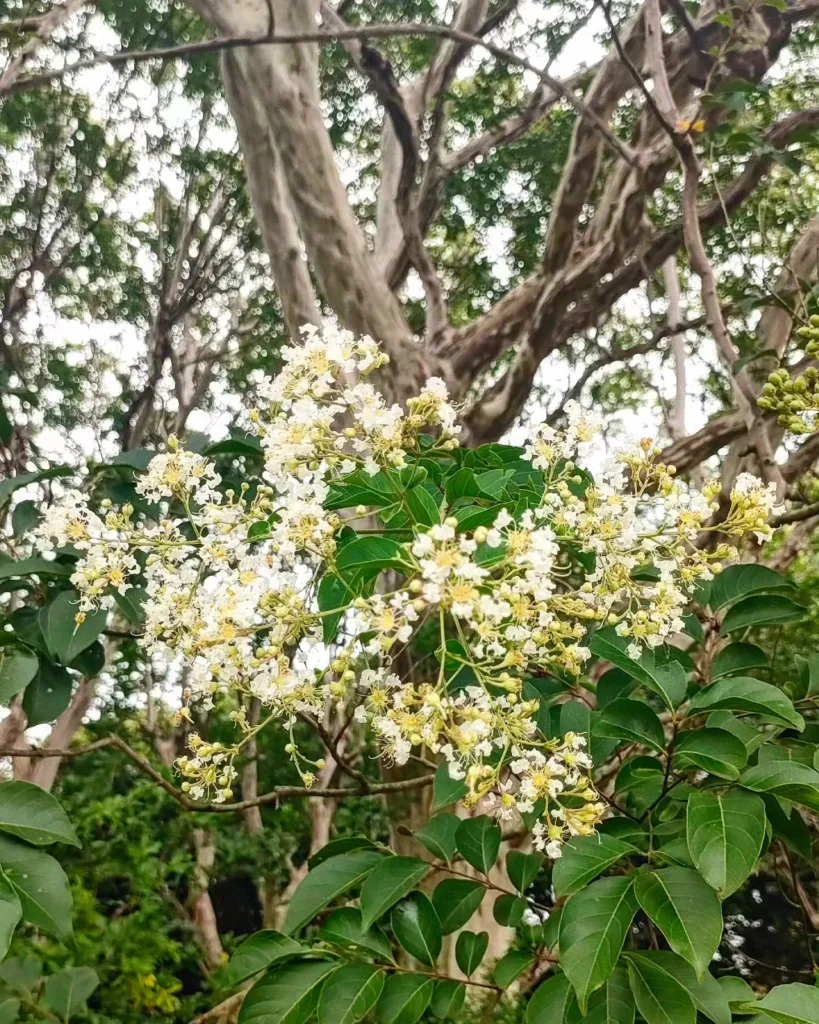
[738, 657]
[510, 967]
[417, 928]
[583, 859]
[765, 610]
[423, 506]
[508, 910]
[438, 835]
[455, 901]
[715, 751]
[47, 695]
[338, 846]
[91, 662]
[325, 883]
[447, 999]
[737, 991]
[343, 928]
[725, 833]
[132, 604]
[478, 841]
[334, 593]
[611, 1004]
[34, 567]
[29, 812]
[667, 679]
[66, 993]
[21, 975]
[791, 1004]
[660, 998]
[523, 868]
[372, 555]
[551, 1001]
[18, 666]
[10, 913]
[258, 952]
[632, 721]
[470, 950]
[788, 780]
[685, 909]
[742, 580]
[287, 994]
[446, 790]
[743, 693]
[387, 883]
[404, 999]
[64, 638]
[40, 883]
[9, 1008]
[350, 993]
[593, 927]
[790, 828]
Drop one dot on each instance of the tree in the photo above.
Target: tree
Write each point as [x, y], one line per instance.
[614, 200]
[456, 624]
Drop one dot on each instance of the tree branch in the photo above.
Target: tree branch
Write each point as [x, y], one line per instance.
[273, 796]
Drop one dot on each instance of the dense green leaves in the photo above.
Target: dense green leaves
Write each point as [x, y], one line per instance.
[349, 994]
[583, 859]
[259, 952]
[743, 693]
[593, 927]
[416, 926]
[325, 883]
[387, 883]
[478, 840]
[725, 832]
[29, 812]
[685, 909]
[287, 994]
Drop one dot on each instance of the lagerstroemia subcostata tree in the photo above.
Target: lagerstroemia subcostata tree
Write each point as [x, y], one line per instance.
[451, 601]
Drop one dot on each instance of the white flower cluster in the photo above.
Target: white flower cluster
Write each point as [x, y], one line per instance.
[233, 581]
